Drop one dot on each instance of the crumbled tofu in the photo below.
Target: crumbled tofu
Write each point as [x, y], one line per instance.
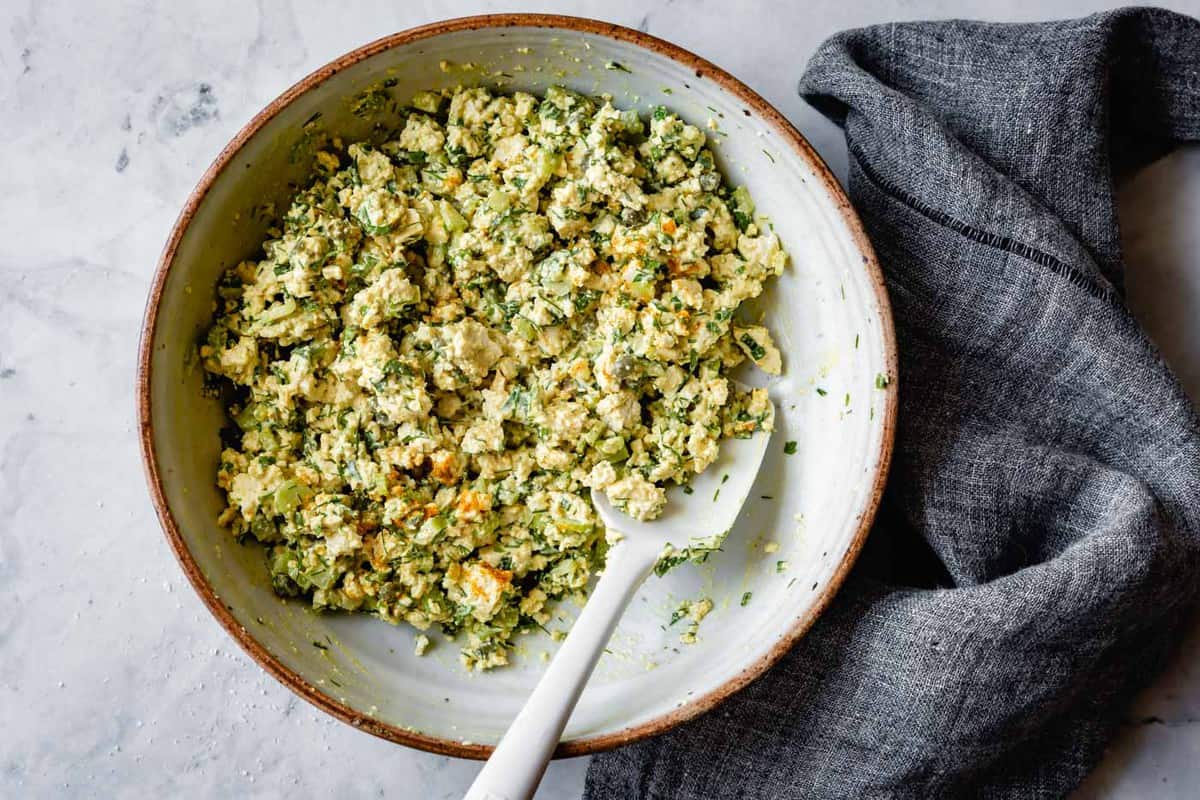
[452, 336]
[692, 611]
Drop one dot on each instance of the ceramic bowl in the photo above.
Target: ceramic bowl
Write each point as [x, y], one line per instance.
[800, 531]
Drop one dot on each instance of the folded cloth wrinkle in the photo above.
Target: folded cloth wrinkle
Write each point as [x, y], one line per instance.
[1037, 552]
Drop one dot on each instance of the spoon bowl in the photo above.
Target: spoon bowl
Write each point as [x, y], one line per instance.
[706, 507]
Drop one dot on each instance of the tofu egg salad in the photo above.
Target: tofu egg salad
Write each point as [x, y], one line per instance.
[455, 333]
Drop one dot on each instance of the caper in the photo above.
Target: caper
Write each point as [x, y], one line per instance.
[624, 367]
[632, 216]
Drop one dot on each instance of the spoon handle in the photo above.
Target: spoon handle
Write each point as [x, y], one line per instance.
[518, 762]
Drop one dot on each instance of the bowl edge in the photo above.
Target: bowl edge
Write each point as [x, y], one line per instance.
[702, 68]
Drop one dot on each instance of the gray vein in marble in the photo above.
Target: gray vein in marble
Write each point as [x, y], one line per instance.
[180, 108]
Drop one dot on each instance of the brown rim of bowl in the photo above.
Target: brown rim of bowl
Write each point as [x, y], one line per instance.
[702, 68]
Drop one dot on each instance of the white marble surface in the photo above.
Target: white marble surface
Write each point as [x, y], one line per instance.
[114, 681]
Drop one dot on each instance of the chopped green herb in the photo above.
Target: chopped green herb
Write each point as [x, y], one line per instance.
[697, 551]
[789, 448]
[756, 350]
[821, 391]
[882, 381]
[746, 597]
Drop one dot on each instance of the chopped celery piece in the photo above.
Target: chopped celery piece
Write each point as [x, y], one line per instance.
[742, 207]
[279, 311]
[451, 219]
[573, 526]
[499, 201]
[431, 528]
[290, 496]
[524, 328]
[613, 449]
[631, 121]
[429, 102]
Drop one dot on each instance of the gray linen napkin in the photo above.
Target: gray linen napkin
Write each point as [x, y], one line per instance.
[1038, 547]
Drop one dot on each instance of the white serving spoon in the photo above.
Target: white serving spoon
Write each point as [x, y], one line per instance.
[516, 766]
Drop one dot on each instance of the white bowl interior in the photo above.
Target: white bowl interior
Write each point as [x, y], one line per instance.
[823, 312]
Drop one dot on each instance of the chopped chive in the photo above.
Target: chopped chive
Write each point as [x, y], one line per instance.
[319, 646]
[789, 448]
[768, 155]
[616, 65]
[746, 597]
[688, 490]
[766, 497]
[846, 402]
[821, 391]
[856, 341]
[724, 478]
[882, 381]
[716, 494]
[781, 566]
